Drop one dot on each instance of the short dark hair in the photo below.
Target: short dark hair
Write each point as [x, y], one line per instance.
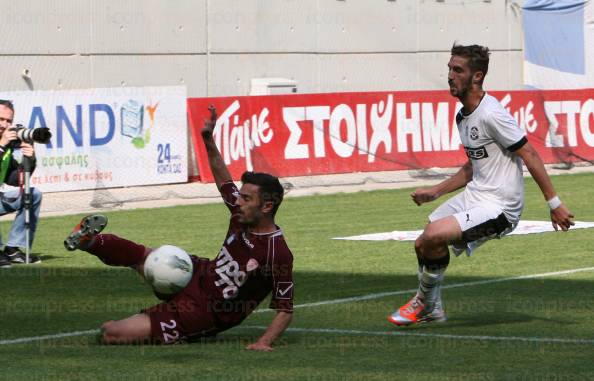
[7, 103]
[269, 187]
[478, 56]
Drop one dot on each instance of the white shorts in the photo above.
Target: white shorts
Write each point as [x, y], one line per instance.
[478, 222]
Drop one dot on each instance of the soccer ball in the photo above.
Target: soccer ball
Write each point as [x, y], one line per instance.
[168, 269]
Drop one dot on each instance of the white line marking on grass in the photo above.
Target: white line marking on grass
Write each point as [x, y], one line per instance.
[48, 337]
[380, 295]
[430, 335]
[357, 299]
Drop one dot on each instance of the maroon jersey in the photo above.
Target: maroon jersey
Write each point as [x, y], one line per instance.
[248, 267]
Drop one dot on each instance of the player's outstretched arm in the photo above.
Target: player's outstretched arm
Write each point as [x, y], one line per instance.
[217, 165]
[278, 325]
[459, 180]
[560, 215]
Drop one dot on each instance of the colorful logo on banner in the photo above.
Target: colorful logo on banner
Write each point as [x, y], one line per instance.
[296, 135]
[132, 122]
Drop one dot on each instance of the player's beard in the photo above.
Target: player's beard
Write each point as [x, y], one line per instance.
[465, 89]
[460, 92]
[252, 218]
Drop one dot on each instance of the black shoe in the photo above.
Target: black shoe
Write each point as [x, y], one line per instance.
[4, 261]
[83, 233]
[15, 255]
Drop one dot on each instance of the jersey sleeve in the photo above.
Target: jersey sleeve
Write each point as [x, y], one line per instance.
[230, 194]
[504, 129]
[282, 280]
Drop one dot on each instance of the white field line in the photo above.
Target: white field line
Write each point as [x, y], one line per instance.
[354, 332]
[357, 299]
[48, 337]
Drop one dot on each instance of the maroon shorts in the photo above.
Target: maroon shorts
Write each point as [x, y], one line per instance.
[186, 315]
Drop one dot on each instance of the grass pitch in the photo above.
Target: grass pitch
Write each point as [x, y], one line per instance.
[513, 329]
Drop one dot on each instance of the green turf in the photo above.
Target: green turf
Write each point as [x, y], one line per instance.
[74, 291]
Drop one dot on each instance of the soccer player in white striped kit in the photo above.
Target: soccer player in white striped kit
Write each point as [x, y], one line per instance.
[491, 203]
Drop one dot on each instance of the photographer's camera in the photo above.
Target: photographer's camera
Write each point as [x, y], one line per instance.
[30, 135]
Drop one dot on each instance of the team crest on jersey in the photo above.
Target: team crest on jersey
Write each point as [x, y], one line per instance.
[476, 153]
[251, 265]
[474, 133]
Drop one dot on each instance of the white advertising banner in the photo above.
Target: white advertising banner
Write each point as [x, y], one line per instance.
[104, 138]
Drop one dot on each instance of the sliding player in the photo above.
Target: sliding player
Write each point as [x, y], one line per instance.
[253, 262]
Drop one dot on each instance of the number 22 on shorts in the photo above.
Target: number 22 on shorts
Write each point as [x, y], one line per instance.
[169, 333]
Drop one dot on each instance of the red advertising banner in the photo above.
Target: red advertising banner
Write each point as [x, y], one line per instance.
[313, 134]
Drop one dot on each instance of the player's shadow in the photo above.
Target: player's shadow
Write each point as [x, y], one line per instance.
[479, 319]
[47, 257]
[485, 319]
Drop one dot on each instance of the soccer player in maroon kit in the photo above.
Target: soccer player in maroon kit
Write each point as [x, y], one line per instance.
[253, 262]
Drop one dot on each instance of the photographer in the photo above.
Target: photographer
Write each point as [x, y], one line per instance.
[12, 201]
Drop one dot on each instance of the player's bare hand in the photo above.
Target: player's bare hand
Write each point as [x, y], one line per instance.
[562, 218]
[423, 195]
[259, 347]
[209, 124]
[27, 149]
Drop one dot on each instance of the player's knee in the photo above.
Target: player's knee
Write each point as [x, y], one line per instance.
[431, 238]
[106, 336]
[430, 248]
[133, 330]
[419, 246]
[111, 332]
[426, 243]
[107, 325]
[107, 328]
[437, 257]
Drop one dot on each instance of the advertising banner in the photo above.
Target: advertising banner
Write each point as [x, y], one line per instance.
[104, 138]
[313, 134]
[558, 44]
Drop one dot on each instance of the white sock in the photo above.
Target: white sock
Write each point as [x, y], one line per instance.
[438, 300]
[420, 270]
[429, 289]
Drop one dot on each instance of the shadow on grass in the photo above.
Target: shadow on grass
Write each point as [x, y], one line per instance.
[47, 300]
[48, 257]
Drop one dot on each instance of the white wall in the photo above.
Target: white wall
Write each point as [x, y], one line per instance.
[215, 47]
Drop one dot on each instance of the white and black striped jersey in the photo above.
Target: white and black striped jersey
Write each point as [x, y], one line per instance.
[490, 136]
